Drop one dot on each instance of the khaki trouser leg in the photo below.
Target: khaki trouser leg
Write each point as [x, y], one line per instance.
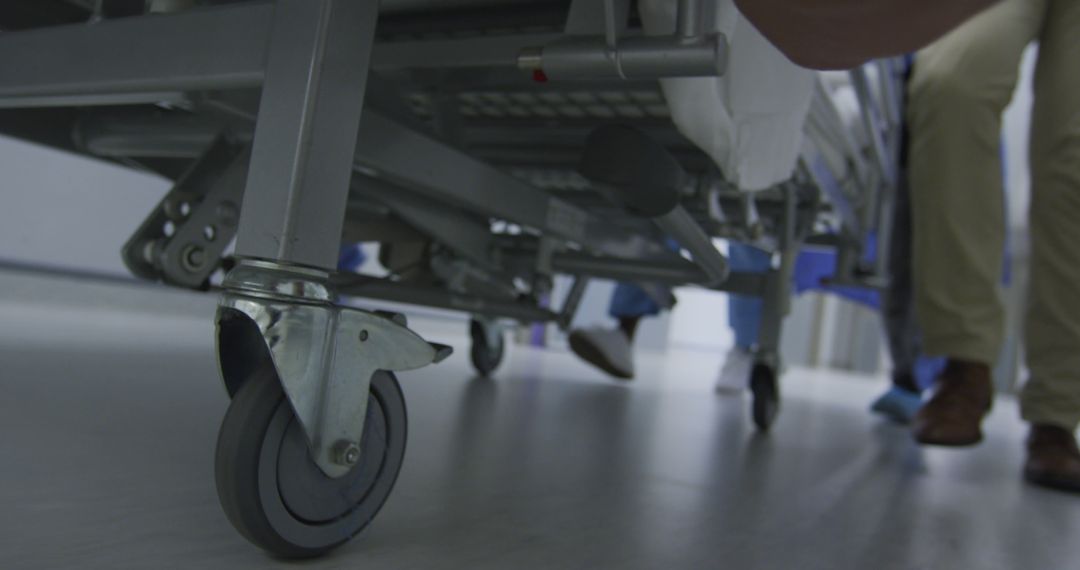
[959, 88]
[1053, 322]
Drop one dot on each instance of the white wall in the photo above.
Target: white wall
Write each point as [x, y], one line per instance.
[700, 320]
[1015, 125]
[60, 209]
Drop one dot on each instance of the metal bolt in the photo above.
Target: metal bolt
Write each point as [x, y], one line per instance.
[193, 258]
[346, 453]
[151, 250]
[177, 209]
[363, 335]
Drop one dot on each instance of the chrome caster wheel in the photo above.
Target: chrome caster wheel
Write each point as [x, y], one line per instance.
[766, 395]
[275, 494]
[488, 347]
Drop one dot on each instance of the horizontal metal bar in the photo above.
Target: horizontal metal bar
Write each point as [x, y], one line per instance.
[461, 233]
[144, 59]
[216, 48]
[400, 155]
[684, 229]
[93, 100]
[407, 158]
[674, 273]
[647, 57]
[136, 134]
[531, 133]
[432, 168]
[830, 240]
[487, 52]
[397, 292]
[200, 49]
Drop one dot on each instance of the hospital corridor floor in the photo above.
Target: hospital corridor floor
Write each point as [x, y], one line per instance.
[108, 431]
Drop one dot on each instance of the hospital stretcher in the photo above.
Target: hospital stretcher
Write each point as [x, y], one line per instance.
[487, 146]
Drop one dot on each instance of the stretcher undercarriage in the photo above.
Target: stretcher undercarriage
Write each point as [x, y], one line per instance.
[486, 146]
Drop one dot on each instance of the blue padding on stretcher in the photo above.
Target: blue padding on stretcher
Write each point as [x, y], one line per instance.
[744, 311]
[814, 267]
[351, 258]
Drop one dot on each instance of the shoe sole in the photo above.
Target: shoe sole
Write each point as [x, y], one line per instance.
[729, 390]
[892, 416]
[941, 442]
[1051, 482]
[893, 412]
[589, 353]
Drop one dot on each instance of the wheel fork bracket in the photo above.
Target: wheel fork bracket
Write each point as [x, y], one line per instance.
[324, 354]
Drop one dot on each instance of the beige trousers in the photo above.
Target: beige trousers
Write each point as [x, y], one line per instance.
[959, 88]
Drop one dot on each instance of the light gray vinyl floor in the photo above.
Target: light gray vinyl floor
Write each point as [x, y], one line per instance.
[108, 421]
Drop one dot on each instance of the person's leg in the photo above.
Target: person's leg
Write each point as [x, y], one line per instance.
[959, 87]
[744, 318]
[628, 325]
[629, 304]
[903, 399]
[1051, 398]
[744, 311]
[897, 310]
[611, 349]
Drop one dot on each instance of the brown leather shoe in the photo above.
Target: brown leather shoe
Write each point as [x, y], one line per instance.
[1053, 458]
[953, 416]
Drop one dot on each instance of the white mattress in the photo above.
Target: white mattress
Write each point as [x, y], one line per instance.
[750, 120]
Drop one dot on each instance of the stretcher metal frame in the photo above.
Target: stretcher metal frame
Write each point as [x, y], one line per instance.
[295, 126]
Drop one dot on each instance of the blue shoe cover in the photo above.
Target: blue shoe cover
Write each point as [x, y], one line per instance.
[898, 404]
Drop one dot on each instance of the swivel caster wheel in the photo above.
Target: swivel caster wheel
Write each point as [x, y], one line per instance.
[274, 493]
[488, 347]
[766, 395]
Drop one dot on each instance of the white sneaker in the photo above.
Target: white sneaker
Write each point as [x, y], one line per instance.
[607, 349]
[734, 375]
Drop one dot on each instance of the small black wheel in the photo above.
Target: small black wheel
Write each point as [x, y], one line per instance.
[766, 392]
[485, 356]
[272, 491]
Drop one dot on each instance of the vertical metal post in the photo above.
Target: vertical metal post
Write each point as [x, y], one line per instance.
[879, 131]
[872, 119]
[690, 21]
[573, 300]
[772, 318]
[777, 297]
[892, 87]
[298, 183]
